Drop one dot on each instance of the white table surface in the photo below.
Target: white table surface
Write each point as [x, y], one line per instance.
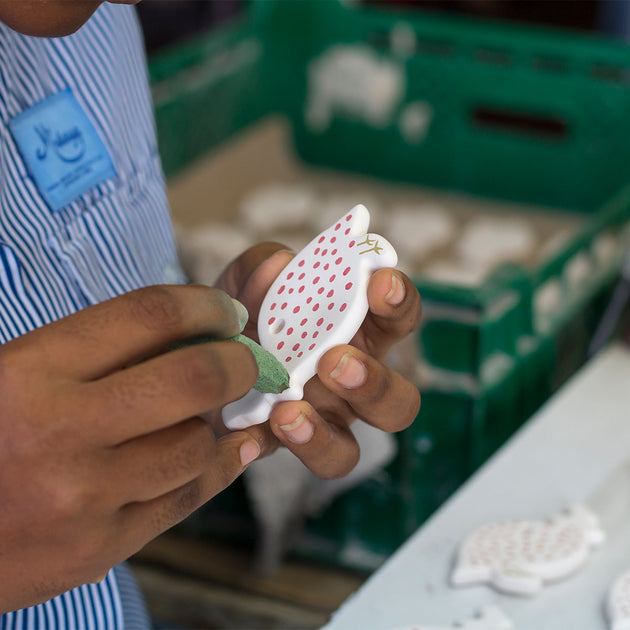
[557, 459]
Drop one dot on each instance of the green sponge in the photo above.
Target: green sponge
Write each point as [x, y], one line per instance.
[272, 376]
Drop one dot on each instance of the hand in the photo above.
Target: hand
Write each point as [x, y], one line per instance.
[101, 448]
[351, 382]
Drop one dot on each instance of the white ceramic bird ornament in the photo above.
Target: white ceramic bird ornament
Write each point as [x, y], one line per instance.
[519, 557]
[317, 302]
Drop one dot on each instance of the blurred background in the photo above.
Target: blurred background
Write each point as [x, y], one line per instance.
[491, 142]
[170, 21]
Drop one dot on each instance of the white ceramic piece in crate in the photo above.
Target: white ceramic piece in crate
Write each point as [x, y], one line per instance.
[489, 241]
[277, 206]
[318, 301]
[518, 557]
[419, 229]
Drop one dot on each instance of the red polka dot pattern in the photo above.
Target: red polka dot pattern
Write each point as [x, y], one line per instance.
[325, 278]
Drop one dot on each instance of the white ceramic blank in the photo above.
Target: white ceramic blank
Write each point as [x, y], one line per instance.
[618, 603]
[519, 557]
[317, 302]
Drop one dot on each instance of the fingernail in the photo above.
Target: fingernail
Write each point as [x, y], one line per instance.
[397, 292]
[241, 313]
[299, 431]
[248, 452]
[350, 372]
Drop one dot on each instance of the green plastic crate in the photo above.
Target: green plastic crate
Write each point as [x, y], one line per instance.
[209, 89]
[573, 158]
[518, 113]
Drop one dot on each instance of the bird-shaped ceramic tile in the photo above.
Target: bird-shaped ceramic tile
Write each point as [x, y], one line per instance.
[318, 301]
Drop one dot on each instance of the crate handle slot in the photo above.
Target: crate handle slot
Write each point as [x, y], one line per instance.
[559, 65]
[504, 119]
[610, 72]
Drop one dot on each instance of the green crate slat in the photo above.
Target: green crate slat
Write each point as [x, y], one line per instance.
[209, 89]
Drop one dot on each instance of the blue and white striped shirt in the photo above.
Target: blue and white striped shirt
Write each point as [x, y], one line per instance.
[112, 238]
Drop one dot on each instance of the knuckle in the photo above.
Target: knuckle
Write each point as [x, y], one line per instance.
[202, 444]
[204, 373]
[129, 393]
[69, 499]
[185, 501]
[344, 465]
[156, 307]
[191, 458]
[223, 477]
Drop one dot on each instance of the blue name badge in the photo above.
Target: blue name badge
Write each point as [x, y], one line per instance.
[63, 152]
